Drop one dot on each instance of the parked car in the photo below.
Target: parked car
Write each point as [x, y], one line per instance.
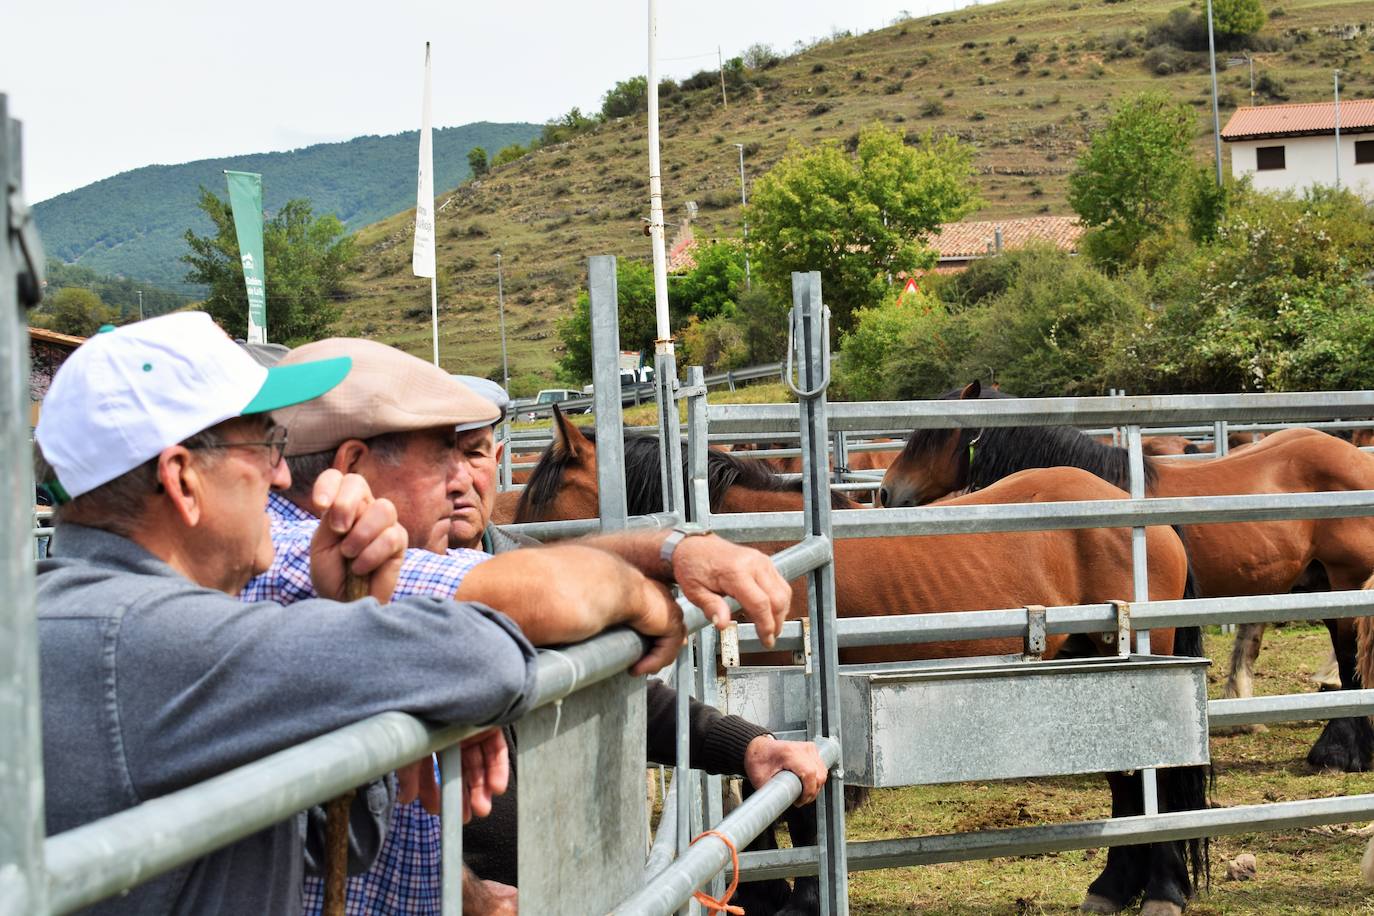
[548, 396]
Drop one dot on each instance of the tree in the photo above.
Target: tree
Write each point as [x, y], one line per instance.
[72, 310]
[304, 257]
[638, 321]
[857, 219]
[1125, 185]
[477, 161]
[508, 154]
[627, 97]
[711, 288]
[1237, 18]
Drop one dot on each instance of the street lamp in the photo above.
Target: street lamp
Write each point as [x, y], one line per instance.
[744, 202]
[1216, 110]
[1336, 88]
[1245, 59]
[501, 312]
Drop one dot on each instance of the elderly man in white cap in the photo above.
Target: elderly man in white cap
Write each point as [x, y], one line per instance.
[399, 422]
[160, 443]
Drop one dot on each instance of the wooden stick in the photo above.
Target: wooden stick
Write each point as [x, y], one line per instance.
[336, 821]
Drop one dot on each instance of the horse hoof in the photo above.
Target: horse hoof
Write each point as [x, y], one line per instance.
[1161, 908]
[1096, 903]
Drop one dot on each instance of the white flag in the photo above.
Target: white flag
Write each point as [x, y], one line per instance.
[422, 260]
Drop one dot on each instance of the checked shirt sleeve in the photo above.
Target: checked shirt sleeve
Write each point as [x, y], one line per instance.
[435, 574]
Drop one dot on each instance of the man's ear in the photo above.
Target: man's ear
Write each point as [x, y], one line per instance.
[500, 447]
[182, 483]
[348, 454]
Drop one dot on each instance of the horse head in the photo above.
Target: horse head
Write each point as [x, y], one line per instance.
[934, 462]
[563, 483]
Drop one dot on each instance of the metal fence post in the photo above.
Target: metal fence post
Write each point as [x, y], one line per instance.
[840, 453]
[610, 442]
[810, 330]
[1140, 574]
[698, 510]
[1221, 441]
[23, 884]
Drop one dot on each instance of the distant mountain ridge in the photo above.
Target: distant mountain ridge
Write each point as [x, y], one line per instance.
[132, 224]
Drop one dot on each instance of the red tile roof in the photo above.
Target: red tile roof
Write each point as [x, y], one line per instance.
[1357, 116]
[961, 241]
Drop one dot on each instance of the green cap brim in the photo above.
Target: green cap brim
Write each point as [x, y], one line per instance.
[287, 385]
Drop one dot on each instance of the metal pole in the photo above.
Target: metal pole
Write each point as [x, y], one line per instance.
[140, 305]
[451, 831]
[1140, 574]
[610, 445]
[1336, 88]
[23, 884]
[501, 312]
[1216, 110]
[812, 351]
[720, 64]
[744, 202]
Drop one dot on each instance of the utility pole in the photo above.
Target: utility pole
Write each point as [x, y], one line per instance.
[501, 311]
[140, 305]
[720, 62]
[1216, 109]
[744, 202]
[1246, 59]
[1336, 84]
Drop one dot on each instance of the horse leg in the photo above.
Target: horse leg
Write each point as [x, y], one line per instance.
[1240, 681]
[1178, 867]
[805, 831]
[1123, 877]
[1345, 744]
[762, 898]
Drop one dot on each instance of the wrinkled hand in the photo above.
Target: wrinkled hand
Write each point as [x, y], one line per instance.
[707, 568]
[488, 898]
[486, 772]
[418, 781]
[659, 618]
[358, 535]
[766, 756]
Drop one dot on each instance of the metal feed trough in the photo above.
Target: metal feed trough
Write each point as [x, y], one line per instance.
[908, 724]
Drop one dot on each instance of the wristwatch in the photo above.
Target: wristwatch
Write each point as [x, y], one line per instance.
[676, 537]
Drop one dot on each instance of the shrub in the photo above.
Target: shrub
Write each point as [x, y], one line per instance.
[717, 344]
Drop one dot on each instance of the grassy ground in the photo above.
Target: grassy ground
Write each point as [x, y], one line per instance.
[1025, 82]
[1309, 871]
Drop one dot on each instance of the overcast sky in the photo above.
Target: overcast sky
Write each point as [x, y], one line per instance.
[105, 87]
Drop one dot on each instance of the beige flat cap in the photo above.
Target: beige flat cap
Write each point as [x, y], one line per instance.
[387, 391]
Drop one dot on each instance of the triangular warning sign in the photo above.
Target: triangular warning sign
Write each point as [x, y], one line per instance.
[909, 288]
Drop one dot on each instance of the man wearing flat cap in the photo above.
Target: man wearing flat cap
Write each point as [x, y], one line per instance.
[398, 421]
[162, 441]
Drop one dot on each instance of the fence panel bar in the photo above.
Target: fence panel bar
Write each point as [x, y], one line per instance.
[451, 830]
[1022, 841]
[674, 885]
[610, 452]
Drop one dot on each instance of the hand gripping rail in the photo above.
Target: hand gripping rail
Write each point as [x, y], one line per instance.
[99, 859]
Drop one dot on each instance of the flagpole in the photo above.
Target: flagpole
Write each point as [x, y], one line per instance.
[422, 258]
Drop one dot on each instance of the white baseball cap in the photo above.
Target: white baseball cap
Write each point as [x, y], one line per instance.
[128, 393]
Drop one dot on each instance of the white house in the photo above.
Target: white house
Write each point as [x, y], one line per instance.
[1292, 147]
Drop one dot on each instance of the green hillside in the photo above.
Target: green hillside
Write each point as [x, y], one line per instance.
[1025, 81]
[132, 224]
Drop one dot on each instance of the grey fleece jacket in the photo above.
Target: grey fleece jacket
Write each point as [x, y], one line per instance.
[151, 683]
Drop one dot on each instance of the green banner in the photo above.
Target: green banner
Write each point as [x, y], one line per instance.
[245, 199]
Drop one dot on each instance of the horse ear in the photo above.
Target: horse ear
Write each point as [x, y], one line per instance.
[567, 438]
[971, 391]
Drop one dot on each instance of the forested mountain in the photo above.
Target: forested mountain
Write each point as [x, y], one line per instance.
[120, 293]
[132, 224]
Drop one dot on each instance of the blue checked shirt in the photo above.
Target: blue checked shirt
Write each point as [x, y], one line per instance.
[406, 876]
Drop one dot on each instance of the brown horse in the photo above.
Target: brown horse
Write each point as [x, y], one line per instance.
[1237, 558]
[925, 574]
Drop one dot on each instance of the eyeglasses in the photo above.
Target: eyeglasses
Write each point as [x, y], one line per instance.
[275, 445]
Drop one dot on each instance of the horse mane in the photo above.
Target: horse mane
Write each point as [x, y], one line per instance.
[643, 480]
[1004, 450]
